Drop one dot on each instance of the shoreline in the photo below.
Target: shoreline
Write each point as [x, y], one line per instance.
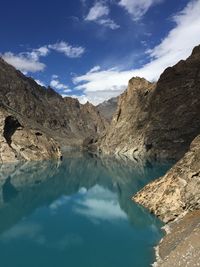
[180, 246]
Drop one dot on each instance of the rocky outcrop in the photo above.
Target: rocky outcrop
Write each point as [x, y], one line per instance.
[175, 199]
[157, 120]
[64, 119]
[178, 191]
[108, 108]
[18, 142]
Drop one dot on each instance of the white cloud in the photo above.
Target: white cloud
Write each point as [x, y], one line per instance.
[98, 96]
[95, 69]
[108, 23]
[99, 14]
[59, 202]
[37, 53]
[30, 61]
[97, 11]
[40, 82]
[56, 84]
[25, 231]
[136, 8]
[101, 84]
[54, 76]
[27, 61]
[81, 98]
[67, 49]
[23, 62]
[100, 204]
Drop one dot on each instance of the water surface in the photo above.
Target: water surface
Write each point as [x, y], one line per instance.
[77, 213]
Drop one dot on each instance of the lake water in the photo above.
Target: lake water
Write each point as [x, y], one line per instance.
[76, 213]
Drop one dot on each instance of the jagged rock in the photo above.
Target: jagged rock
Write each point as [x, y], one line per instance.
[64, 119]
[158, 121]
[20, 143]
[178, 191]
[128, 121]
[108, 108]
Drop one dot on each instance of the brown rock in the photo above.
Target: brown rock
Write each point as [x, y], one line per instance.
[125, 135]
[181, 246]
[158, 121]
[21, 143]
[178, 191]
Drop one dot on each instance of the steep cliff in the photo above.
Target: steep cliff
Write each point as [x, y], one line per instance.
[158, 120]
[64, 119]
[178, 191]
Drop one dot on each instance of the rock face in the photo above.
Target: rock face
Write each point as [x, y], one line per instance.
[181, 246]
[129, 120]
[158, 120]
[178, 191]
[108, 108]
[175, 199]
[64, 119]
[17, 142]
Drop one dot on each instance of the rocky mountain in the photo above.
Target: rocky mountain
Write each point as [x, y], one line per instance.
[175, 197]
[157, 120]
[42, 109]
[108, 108]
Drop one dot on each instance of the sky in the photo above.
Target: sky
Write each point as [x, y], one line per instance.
[89, 49]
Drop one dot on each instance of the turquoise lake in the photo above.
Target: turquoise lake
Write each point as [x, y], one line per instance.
[76, 213]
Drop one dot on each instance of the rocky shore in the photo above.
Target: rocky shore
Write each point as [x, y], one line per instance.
[175, 199]
[180, 246]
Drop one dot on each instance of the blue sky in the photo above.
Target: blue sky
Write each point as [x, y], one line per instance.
[90, 49]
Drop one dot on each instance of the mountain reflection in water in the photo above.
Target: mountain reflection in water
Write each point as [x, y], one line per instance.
[80, 209]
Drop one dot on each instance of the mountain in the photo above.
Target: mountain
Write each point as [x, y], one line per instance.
[175, 197]
[157, 120]
[63, 119]
[108, 108]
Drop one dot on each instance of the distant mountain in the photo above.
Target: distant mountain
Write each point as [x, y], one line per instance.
[38, 108]
[108, 108]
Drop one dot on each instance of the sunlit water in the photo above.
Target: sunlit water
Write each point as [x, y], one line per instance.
[77, 213]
